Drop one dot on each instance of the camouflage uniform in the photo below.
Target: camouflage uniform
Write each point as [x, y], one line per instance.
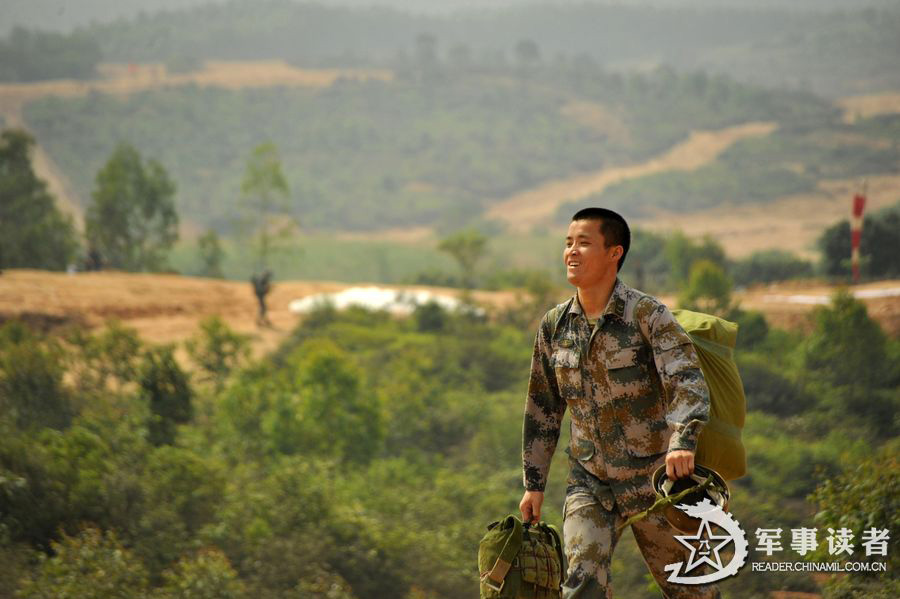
[635, 391]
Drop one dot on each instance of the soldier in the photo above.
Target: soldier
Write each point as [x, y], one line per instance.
[261, 287]
[631, 379]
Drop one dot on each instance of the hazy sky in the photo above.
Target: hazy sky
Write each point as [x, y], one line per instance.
[67, 14]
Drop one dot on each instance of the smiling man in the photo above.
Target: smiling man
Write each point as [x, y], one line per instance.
[628, 373]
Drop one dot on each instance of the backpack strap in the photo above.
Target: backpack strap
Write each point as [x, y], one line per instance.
[558, 313]
[495, 578]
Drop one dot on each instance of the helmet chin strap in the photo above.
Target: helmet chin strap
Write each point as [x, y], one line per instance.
[713, 491]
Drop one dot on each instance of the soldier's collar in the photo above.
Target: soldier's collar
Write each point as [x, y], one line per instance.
[614, 307]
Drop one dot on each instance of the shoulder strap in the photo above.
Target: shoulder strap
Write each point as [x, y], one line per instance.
[497, 573]
[558, 314]
[640, 328]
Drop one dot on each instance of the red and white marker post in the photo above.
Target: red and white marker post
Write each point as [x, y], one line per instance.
[859, 205]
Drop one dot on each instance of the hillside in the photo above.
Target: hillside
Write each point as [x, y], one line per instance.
[364, 155]
[829, 52]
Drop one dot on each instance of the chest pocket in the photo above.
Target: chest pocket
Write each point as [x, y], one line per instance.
[629, 372]
[565, 357]
[566, 361]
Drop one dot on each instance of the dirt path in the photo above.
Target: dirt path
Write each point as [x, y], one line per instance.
[537, 206]
[869, 105]
[791, 223]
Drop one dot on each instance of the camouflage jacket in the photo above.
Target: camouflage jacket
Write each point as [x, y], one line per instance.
[632, 383]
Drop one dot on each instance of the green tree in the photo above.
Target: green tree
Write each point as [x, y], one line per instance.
[164, 385]
[218, 350]
[863, 496]
[211, 254]
[877, 246]
[90, 565]
[31, 379]
[132, 220]
[880, 242]
[265, 202]
[708, 289]
[205, 575]
[834, 243]
[848, 357]
[682, 252]
[770, 265]
[34, 55]
[33, 232]
[467, 248]
[328, 411]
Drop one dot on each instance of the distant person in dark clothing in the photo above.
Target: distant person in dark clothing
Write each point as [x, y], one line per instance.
[262, 284]
[93, 261]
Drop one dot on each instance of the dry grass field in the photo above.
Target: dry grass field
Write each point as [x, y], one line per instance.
[168, 308]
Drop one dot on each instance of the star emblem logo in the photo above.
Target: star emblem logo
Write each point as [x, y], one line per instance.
[707, 544]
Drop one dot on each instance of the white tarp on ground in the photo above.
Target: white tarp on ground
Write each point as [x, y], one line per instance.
[825, 299]
[398, 302]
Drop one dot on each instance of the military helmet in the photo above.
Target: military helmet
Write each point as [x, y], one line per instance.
[717, 492]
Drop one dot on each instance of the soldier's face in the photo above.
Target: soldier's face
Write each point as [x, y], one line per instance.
[587, 259]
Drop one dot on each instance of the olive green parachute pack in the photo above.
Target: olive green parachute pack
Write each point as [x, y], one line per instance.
[719, 446]
[520, 561]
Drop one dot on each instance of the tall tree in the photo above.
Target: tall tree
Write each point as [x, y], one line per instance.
[33, 232]
[467, 248]
[211, 254]
[265, 202]
[132, 220]
[708, 289]
[166, 388]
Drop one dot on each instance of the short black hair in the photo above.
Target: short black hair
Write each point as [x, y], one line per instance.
[613, 227]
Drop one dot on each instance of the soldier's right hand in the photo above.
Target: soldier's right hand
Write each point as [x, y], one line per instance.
[530, 506]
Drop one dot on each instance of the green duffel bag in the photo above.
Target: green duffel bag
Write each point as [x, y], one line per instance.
[520, 561]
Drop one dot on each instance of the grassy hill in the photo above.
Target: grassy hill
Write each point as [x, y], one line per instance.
[433, 146]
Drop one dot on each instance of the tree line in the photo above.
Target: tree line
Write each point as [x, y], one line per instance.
[364, 457]
[768, 46]
[131, 223]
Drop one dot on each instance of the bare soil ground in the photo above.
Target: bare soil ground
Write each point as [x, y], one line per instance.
[537, 206]
[169, 308]
[869, 105]
[791, 223]
[166, 308]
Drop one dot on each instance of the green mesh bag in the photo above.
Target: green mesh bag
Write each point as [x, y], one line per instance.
[719, 446]
[518, 561]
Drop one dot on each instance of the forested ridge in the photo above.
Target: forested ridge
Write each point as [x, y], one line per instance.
[436, 146]
[831, 52]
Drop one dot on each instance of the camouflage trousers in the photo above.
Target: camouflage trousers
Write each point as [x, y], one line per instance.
[592, 520]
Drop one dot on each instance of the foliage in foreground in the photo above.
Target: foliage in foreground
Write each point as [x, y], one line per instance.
[366, 451]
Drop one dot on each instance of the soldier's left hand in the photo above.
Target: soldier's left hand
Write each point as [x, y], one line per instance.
[679, 463]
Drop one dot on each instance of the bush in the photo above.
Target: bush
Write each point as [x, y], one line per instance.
[768, 266]
[31, 379]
